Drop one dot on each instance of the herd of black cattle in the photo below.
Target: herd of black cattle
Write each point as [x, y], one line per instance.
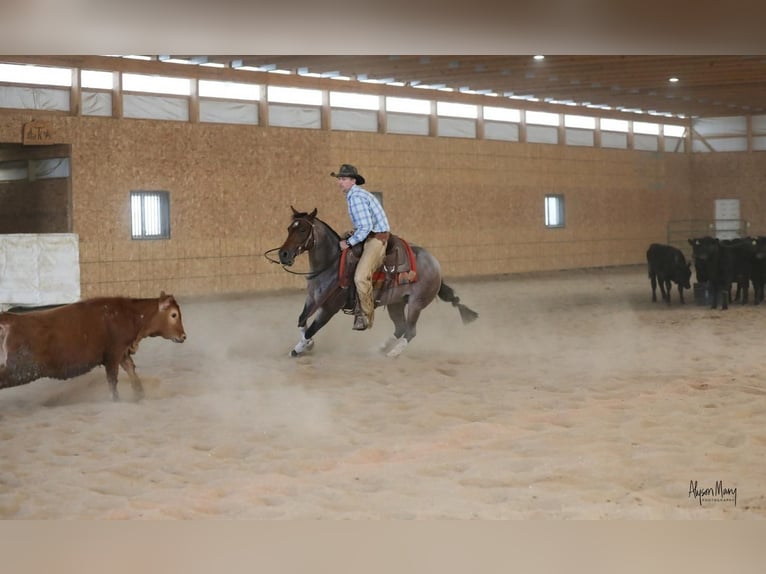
[719, 264]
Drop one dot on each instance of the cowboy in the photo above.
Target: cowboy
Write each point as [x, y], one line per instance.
[371, 228]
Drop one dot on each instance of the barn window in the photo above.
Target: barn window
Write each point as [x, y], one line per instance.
[554, 211]
[150, 214]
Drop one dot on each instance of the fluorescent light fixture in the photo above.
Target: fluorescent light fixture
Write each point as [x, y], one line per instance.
[673, 80]
[539, 57]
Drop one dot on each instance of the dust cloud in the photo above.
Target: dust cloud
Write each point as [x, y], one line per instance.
[572, 396]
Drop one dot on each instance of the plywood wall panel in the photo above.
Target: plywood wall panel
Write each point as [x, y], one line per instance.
[477, 204]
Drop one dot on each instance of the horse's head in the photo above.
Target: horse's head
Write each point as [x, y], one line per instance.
[300, 236]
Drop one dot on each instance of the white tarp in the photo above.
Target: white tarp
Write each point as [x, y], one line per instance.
[39, 269]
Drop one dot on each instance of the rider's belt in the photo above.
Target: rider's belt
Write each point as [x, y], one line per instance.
[380, 235]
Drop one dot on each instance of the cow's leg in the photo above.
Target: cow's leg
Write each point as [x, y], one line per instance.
[653, 278]
[681, 294]
[662, 281]
[112, 368]
[396, 313]
[135, 382]
[666, 293]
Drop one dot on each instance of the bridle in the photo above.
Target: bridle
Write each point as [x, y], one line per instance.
[308, 244]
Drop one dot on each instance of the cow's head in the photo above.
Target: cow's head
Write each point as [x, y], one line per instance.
[704, 247]
[168, 323]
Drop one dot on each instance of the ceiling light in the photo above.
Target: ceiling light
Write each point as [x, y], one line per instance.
[673, 80]
[539, 57]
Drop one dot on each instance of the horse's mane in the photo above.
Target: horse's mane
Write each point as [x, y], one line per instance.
[302, 214]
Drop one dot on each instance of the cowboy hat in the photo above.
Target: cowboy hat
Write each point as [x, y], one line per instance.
[348, 170]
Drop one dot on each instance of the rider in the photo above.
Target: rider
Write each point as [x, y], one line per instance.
[371, 227]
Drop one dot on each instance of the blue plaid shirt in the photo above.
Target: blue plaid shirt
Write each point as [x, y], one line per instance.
[366, 214]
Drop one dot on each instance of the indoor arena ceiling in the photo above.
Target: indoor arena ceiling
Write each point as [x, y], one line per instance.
[704, 86]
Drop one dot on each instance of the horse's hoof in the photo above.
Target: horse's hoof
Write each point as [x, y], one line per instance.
[388, 344]
[302, 346]
[398, 348]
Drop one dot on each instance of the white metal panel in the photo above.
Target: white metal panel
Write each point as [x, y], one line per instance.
[675, 144]
[407, 124]
[575, 136]
[227, 112]
[295, 116]
[155, 107]
[727, 219]
[614, 140]
[20, 97]
[506, 131]
[728, 144]
[735, 125]
[96, 104]
[645, 142]
[39, 269]
[759, 124]
[354, 120]
[542, 134]
[456, 127]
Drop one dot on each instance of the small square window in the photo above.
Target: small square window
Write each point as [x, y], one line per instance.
[150, 214]
[554, 211]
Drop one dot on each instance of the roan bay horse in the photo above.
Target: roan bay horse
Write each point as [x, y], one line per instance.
[326, 296]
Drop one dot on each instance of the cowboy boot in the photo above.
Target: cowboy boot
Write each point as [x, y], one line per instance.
[360, 323]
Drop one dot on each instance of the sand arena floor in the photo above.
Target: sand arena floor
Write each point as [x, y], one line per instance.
[572, 396]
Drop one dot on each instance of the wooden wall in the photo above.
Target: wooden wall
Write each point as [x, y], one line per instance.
[730, 176]
[477, 204]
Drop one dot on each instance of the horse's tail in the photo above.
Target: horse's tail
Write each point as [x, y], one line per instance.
[447, 294]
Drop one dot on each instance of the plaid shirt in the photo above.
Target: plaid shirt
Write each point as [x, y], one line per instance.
[366, 214]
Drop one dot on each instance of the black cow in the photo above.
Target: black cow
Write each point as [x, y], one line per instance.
[723, 262]
[667, 264]
[758, 269]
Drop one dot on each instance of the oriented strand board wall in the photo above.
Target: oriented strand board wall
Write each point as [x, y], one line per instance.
[478, 205]
[730, 176]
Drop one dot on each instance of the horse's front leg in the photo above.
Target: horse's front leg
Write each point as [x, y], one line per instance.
[322, 316]
[305, 343]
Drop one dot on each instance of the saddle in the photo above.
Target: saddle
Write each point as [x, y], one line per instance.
[398, 268]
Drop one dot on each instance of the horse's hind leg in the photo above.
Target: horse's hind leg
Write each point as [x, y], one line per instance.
[413, 314]
[396, 312]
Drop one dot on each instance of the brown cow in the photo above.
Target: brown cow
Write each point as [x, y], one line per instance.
[70, 340]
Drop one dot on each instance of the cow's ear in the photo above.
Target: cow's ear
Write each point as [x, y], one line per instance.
[165, 303]
[162, 294]
[313, 214]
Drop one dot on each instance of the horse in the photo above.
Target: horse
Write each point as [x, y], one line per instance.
[326, 295]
